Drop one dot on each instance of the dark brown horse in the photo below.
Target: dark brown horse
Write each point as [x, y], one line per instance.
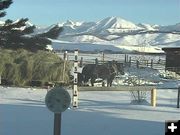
[106, 71]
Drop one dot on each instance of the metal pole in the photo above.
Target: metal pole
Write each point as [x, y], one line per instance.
[57, 123]
[178, 97]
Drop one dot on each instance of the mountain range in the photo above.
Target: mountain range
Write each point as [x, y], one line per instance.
[114, 34]
[117, 34]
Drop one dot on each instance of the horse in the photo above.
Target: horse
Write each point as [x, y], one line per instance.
[80, 79]
[106, 71]
[120, 67]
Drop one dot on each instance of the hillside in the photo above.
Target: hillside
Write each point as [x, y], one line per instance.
[121, 34]
[114, 33]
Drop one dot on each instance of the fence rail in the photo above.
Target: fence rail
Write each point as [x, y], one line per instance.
[119, 88]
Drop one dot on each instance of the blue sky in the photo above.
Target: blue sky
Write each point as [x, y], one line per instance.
[47, 12]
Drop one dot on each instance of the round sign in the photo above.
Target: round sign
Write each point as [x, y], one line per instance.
[57, 100]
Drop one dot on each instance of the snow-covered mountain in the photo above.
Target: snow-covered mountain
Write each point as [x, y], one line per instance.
[114, 33]
[118, 33]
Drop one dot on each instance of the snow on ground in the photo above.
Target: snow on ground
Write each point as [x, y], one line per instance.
[23, 112]
[100, 46]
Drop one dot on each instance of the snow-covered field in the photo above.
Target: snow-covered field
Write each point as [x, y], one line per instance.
[23, 112]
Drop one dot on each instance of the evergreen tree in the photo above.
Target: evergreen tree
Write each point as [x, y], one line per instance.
[3, 5]
[15, 35]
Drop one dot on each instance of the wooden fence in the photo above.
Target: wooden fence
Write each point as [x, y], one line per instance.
[146, 63]
[128, 60]
[152, 63]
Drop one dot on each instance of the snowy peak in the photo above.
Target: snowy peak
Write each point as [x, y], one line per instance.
[29, 24]
[112, 25]
[103, 27]
[116, 23]
[72, 24]
[69, 22]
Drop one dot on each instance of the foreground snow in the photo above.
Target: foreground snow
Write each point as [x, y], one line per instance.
[108, 113]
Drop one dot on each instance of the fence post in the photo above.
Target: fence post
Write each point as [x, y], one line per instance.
[129, 61]
[153, 97]
[81, 62]
[64, 65]
[102, 57]
[151, 63]
[125, 59]
[75, 87]
[137, 64]
[65, 55]
[96, 61]
[178, 97]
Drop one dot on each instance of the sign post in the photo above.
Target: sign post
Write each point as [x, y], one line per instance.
[57, 100]
[57, 123]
